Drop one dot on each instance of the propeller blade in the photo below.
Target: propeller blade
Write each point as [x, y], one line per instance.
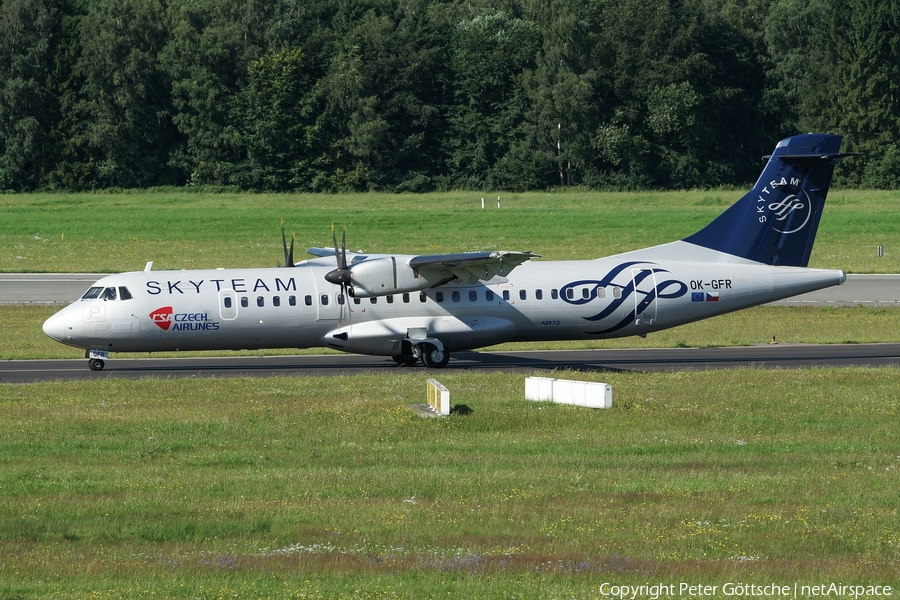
[337, 255]
[344, 249]
[341, 275]
[288, 253]
[291, 252]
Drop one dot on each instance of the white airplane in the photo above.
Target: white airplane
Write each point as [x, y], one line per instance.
[425, 307]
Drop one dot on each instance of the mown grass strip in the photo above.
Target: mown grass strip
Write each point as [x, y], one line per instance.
[177, 230]
[333, 486]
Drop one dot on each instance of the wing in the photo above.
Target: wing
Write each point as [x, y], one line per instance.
[469, 266]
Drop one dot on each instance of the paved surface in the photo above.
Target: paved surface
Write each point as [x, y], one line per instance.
[55, 288]
[44, 288]
[858, 290]
[656, 359]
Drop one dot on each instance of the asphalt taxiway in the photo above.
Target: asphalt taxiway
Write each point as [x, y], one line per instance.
[766, 356]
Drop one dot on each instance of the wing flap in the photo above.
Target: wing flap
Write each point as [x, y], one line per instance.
[469, 267]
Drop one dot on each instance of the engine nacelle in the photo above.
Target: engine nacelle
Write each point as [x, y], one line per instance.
[382, 276]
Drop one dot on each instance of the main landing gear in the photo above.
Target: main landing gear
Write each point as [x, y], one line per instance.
[433, 356]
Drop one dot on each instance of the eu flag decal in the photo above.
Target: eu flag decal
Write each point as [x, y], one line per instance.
[697, 297]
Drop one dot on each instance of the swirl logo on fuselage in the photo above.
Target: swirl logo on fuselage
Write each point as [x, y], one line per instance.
[629, 284]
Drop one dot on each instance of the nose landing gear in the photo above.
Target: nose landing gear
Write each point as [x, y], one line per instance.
[96, 359]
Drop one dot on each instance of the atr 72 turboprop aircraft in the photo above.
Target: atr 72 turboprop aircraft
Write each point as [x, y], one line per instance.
[425, 307]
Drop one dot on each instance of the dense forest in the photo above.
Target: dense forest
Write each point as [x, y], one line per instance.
[418, 95]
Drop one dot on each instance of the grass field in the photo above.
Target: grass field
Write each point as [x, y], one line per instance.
[334, 487]
[121, 232]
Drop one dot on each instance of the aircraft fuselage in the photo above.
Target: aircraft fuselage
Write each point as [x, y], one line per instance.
[238, 309]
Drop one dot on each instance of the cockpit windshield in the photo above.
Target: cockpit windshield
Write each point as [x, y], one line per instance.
[92, 293]
[107, 293]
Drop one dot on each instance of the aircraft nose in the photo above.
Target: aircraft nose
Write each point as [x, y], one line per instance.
[55, 327]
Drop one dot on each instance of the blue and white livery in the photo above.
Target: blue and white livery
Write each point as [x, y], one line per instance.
[422, 308]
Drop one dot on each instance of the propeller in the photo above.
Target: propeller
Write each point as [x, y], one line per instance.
[288, 253]
[341, 275]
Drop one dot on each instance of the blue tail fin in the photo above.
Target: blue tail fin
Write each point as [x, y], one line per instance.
[776, 222]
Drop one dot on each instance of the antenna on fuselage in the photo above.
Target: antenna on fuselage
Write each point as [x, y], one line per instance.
[148, 267]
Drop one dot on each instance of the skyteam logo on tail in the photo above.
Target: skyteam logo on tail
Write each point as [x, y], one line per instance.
[782, 209]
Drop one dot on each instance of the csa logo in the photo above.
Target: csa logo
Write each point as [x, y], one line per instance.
[162, 317]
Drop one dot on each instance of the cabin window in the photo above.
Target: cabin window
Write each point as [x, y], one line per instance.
[124, 294]
[522, 295]
[340, 299]
[406, 298]
[455, 296]
[109, 294]
[276, 300]
[260, 301]
[617, 292]
[307, 300]
[292, 300]
[244, 302]
[489, 296]
[539, 294]
[357, 300]
[473, 296]
[554, 293]
[390, 299]
[439, 296]
[570, 293]
[227, 301]
[373, 300]
[324, 299]
[585, 293]
[422, 297]
[601, 292]
[92, 293]
[506, 295]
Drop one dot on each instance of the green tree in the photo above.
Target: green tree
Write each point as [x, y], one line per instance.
[867, 110]
[211, 46]
[554, 139]
[686, 106]
[382, 94]
[122, 117]
[488, 54]
[275, 113]
[30, 31]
